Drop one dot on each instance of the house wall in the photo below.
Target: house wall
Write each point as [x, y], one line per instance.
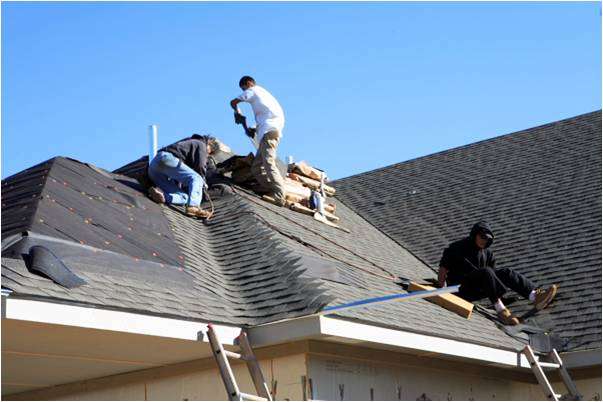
[345, 372]
[202, 385]
[324, 371]
[349, 379]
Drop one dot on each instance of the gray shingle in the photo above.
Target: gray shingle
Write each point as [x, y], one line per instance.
[539, 188]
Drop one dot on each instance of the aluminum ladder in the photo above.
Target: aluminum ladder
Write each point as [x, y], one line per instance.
[246, 354]
[554, 363]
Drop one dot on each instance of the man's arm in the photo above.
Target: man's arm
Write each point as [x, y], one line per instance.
[234, 103]
[442, 273]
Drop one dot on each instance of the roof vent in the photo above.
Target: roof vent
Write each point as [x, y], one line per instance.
[43, 261]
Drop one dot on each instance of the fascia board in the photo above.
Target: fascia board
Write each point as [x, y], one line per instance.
[584, 358]
[109, 320]
[421, 343]
[315, 327]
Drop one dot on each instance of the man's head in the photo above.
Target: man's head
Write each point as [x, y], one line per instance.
[246, 82]
[482, 235]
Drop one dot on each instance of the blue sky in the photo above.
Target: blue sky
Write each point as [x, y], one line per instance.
[363, 85]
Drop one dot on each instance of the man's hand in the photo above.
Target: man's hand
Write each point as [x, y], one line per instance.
[239, 118]
[250, 132]
[442, 274]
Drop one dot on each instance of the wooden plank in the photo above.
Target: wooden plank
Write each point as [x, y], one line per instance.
[304, 169]
[448, 301]
[295, 187]
[311, 183]
[304, 201]
[305, 210]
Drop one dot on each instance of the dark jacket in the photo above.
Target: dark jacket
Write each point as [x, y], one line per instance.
[192, 151]
[463, 256]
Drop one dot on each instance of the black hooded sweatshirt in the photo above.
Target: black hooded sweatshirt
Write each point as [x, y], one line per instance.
[192, 151]
[462, 257]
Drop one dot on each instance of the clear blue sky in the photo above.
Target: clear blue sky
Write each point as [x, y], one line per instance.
[363, 85]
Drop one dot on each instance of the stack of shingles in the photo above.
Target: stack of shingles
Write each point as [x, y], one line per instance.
[301, 180]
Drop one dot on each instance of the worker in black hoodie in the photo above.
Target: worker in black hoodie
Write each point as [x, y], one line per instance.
[470, 263]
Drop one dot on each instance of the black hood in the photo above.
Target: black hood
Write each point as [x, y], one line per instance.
[483, 227]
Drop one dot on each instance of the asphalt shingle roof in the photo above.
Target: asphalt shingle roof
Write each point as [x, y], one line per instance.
[540, 189]
[252, 263]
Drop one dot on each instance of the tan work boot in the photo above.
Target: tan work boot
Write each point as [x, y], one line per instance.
[544, 297]
[156, 195]
[197, 212]
[507, 318]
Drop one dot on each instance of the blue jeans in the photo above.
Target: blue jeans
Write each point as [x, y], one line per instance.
[171, 175]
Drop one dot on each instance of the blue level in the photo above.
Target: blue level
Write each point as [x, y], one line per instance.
[421, 294]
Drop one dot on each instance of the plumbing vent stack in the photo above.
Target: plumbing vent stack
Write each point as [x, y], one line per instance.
[152, 141]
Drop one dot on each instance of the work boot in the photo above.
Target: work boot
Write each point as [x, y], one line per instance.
[156, 195]
[544, 297]
[197, 212]
[507, 318]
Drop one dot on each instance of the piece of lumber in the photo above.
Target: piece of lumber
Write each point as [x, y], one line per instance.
[448, 301]
[305, 169]
[295, 187]
[305, 210]
[291, 197]
[311, 183]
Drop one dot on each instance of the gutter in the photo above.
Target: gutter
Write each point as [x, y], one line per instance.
[582, 359]
[304, 328]
[320, 327]
[109, 320]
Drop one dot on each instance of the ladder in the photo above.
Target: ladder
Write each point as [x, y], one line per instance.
[246, 354]
[554, 363]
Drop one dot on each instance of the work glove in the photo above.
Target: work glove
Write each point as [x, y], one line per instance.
[239, 118]
[250, 132]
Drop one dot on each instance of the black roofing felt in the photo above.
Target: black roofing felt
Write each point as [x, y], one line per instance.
[539, 188]
[252, 263]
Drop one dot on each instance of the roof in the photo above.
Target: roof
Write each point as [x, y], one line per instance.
[252, 263]
[540, 189]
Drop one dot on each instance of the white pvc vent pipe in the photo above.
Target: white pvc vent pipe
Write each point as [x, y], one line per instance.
[152, 141]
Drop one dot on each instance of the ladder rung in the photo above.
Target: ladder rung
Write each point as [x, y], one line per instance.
[548, 365]
[249, 397]
[233, 355]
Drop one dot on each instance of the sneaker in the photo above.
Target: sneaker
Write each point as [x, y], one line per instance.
[156, 195]
[507, 318]
[197, 212]
[544, 297]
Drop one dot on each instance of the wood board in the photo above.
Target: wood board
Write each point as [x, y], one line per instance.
[449, 301]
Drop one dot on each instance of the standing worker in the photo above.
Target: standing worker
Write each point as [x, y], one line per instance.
[471, 264]
[178, 172]
[270, 121]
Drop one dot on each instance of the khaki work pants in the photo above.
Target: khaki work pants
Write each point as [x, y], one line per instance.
[264, 167]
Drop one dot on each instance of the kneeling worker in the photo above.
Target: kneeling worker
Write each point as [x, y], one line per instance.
[471, 264]
[178, 172]
[270, 121]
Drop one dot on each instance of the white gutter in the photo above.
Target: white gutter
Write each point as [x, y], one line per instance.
[316, 327]
[584, 358]
[108, 320]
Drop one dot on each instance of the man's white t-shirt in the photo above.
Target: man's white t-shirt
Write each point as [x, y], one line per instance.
[268, 113]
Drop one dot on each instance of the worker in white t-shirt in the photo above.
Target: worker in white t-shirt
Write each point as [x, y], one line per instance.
[270, 120]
